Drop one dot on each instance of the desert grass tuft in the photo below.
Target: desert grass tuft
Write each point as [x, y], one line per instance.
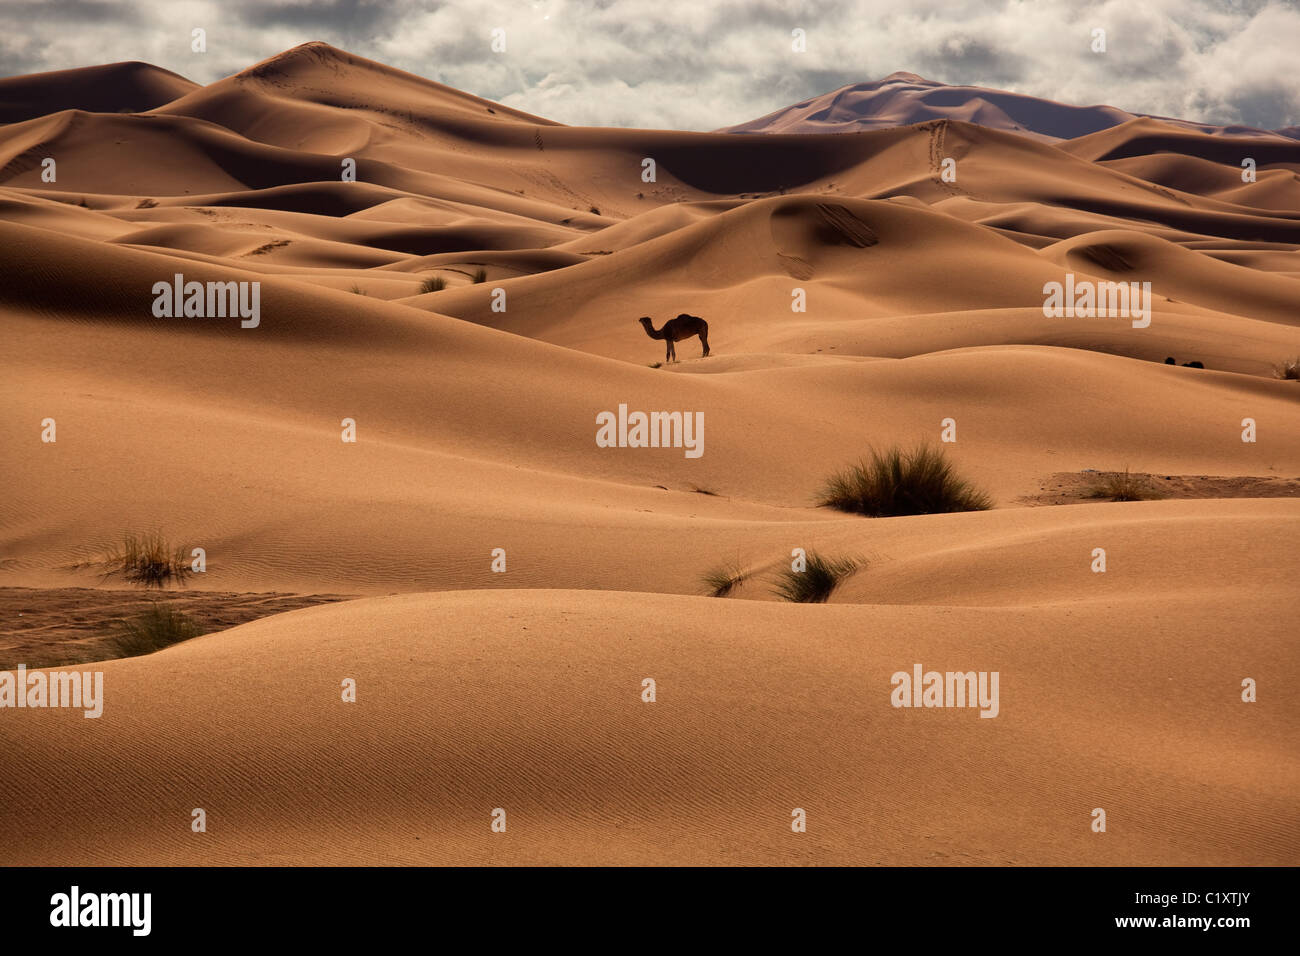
[160, 626]
[433, 284]
[149, 560]
[815, 583]
[480, 275]
[1289, 370]
[1121, 486]
[725, 578]
[897, 482]
[357, 290]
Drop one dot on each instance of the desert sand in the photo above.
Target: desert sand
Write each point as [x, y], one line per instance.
[903, 98]
[476, 431]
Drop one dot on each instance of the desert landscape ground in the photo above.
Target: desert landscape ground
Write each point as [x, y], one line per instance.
[470, 304]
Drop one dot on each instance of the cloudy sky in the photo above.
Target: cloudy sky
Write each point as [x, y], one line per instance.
[703, 64]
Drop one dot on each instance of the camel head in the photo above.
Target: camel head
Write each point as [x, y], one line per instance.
[646, 321]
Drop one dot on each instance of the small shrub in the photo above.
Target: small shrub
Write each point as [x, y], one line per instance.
[896, 482]
[595, 211]
[146, 204]
[149, 560]
[480, 275]
[1122, 486]
[357, 290]
[158, 627]
[815, 584]
[725, 578]
[1289, 370]
[433, 284]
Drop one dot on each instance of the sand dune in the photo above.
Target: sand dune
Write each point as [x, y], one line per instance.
[113, 88]
[760, 709]
[904, 98]
[922, 302]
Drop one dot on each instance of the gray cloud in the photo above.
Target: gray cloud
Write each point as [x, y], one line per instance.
[962, 55]
[695, 64]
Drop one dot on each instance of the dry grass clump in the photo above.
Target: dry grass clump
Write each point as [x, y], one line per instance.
[148, 559]
[1122, 486]
[1289, 370]
[897, 482]
[815, 584]
[725, 578]
[158, 627]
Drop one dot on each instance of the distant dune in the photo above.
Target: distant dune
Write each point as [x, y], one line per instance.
[113, 88]
[470, 303]
[901, 99]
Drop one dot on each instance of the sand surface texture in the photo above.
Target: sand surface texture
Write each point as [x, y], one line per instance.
[476, 430]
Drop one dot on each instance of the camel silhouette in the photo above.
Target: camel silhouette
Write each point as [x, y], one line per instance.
[674, 330]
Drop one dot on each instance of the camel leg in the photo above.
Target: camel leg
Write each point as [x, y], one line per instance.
[704, 340]
[669, 353]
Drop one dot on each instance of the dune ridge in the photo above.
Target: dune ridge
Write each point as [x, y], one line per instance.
[856, 298]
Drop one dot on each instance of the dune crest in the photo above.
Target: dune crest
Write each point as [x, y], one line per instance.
[417, 388]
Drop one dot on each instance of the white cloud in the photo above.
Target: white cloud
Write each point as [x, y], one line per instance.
[703, 64]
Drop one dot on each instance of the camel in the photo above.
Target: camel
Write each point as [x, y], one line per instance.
[674, 330]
